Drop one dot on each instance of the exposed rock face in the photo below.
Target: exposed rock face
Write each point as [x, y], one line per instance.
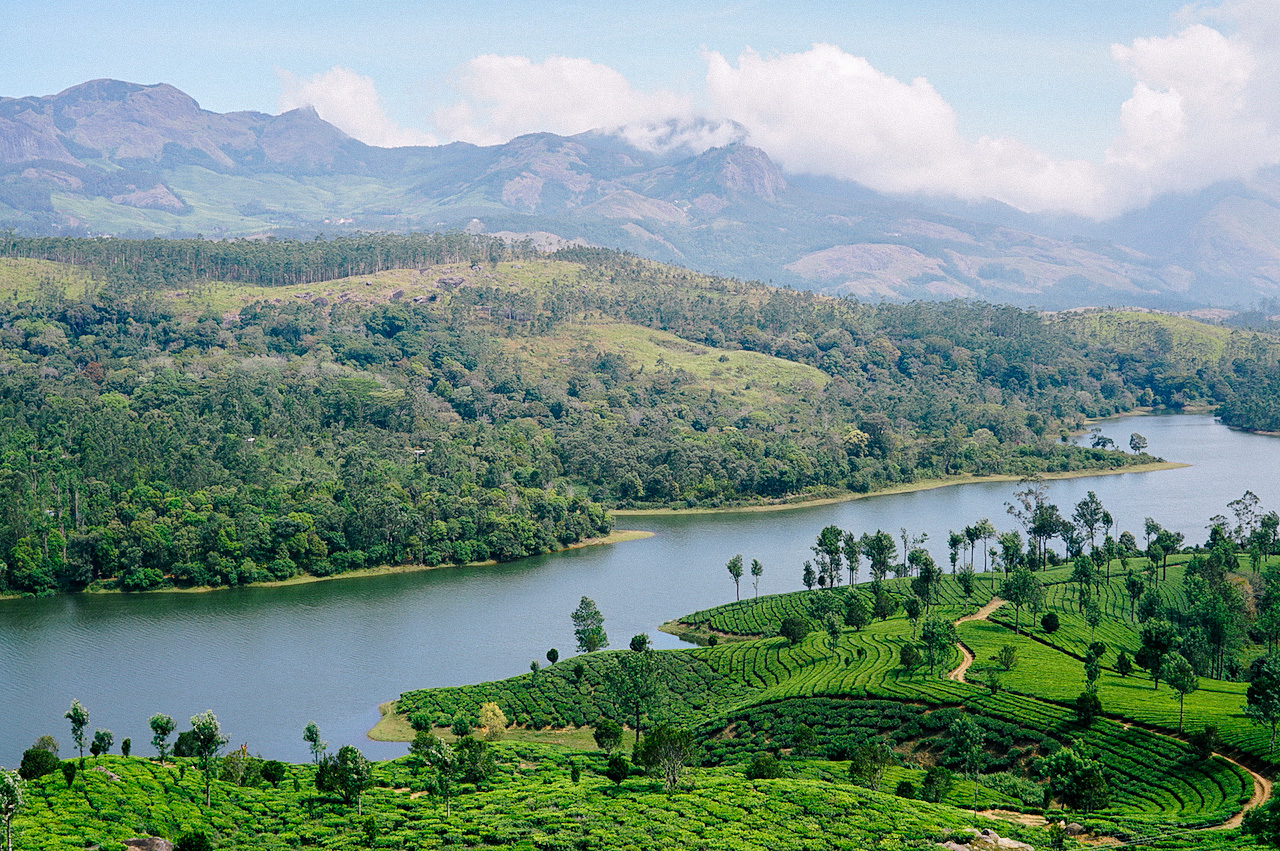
[149, 843]
[988, 840]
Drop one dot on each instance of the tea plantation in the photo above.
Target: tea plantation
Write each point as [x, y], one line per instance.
[781, 728]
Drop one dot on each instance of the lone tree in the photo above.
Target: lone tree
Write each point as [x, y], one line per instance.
[588, 627]
[735, 570]
[757, 570]
[348, 774]
[634, 683]
[938, 636]
[1159, 638]
[311, 735]
[868, 762]
[79, 718]
[668, 749]
[794, 629]
[206, 742]
[10, 803]
[494, 721]
[966, 747]
[1021, 589]
[1182, 678]
[608, 735]
[102, 742]
[1137, 443]
[162, 727]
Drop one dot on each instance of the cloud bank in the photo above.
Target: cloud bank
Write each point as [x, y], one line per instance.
[350, 102]
[1205, 107]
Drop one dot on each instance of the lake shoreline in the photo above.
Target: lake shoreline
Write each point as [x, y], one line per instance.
[617, 536]
[923, 485]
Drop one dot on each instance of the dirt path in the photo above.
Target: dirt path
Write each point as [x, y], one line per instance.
[1261, 794]
[966, 655]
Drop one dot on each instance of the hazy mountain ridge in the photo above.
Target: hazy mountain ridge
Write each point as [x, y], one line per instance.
[108, 157]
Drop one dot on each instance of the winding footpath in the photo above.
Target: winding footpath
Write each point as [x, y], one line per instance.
[1261, 794]
[966, 654]
[1262, 787]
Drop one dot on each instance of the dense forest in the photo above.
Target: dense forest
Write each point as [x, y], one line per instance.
[489, 409]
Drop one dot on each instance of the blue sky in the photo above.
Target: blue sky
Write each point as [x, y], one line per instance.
[1044, 75]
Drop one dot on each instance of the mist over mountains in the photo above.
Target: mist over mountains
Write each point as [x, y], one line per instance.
[114, 158]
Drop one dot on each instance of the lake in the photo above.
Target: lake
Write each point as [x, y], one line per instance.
[268, 660]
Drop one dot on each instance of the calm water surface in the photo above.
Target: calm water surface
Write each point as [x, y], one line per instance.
[267, 661]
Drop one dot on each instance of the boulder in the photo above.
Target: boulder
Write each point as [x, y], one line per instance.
[149, 843]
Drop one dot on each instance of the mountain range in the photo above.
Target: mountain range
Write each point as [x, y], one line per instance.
[122, 159]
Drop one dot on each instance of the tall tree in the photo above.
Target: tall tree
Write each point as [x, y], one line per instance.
[588, 627]
[162, 726]
[1159, 639]
[1182, 678]
[349, 774]
[735, 571]
[830, 551]
[10, 803]
[634, 683]
[311, 735]
[868, 762]
[79, 718]
[852, 555]
[939, 637]
[1088, 517]
[207, 741]
[879, 549]
[1020, 589]
[444, 764]
[757, 570]
[668, 749]
[965, 745]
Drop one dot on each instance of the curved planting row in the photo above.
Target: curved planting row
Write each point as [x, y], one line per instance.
[1151, 774]
[1046, 672]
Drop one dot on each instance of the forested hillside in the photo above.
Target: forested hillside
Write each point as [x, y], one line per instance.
[196, 412]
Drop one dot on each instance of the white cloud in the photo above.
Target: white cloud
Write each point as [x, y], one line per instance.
[506, 96]
[828, 112]
[350, 102]
[1205, 106]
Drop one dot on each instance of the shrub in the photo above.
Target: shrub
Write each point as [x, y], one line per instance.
[1050, 622]
[608, 734]
[461, 726]
[273, 771]
[764, 766]
[37, 762]
[937, 783]
[617, 770]
[1205, 742]
[906, 789]
[193, 840]
[1088, 707]
[69, 772]
[794, 629]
